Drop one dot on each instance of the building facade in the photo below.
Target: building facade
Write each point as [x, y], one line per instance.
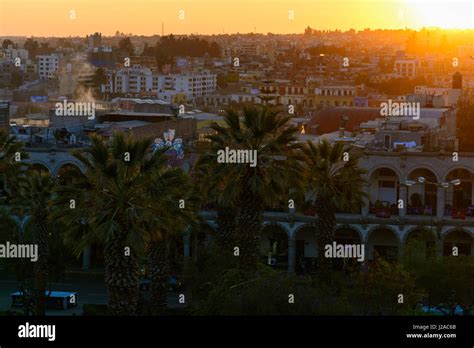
[48, 66]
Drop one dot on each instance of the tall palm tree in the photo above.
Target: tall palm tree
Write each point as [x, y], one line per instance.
[118, 199]
[336, 184]
[246, 190]
[34, 193]
[177, 204]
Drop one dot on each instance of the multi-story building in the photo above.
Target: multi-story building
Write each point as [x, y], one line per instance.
[12, 53]
[7, 67]
[94, 41]
[133, 80]
[435, 96]
[335, 95]
[192, 84]
[48, 66]
[296, 96]
[407, 67]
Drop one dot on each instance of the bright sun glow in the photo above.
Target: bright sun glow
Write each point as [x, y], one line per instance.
[52, 17]
[449, 14]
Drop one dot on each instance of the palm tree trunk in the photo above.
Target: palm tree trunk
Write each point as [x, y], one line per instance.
[121, 277]
[159, 269]
[227, 228]
[249, 222]
[324, 235]
[40, 267]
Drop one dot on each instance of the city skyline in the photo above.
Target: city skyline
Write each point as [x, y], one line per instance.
[58, 18]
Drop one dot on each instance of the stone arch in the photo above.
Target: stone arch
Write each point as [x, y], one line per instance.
[381, 227]
[388, 166]
[422, 198]
[357, 232]
[63, 164]
[384, 189]
[383, 241]
[418, 240]
[453, 168]
[457, 237]
[58, 172]
[39, 166]
[414, 230]
[459, 198]
[348, 235]
[427, 167]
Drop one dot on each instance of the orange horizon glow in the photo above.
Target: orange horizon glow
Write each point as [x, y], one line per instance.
[145, 17]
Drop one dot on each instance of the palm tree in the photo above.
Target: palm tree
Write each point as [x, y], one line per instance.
[336, 184]
[226, 227]
[177, 205]
[11, 155]
[22, 268]
[34, 195]
[117, 199]
[246, 190]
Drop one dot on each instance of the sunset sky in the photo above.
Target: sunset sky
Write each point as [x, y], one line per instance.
[54, 17]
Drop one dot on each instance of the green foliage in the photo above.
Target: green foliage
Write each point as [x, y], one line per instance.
[170, 47]
[10, 168]
[269, 133]
[7, 42]
[99, 78]
[448, 280]
[32, 46]
[131, 194]
[126, 46]
[206, 272]
[8, 232]
[268, 294]
[244, 189]
[378, 290]
[337, 183]
[16, 79]
[128, 197]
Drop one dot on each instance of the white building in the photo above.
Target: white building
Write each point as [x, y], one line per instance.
[407, 67]
[131, 80]
[48, 65]
[12, 53]
[136, 80]
[192, 84]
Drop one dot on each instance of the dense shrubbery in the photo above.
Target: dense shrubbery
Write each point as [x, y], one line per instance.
[387, 288]
[220, 288]
[269, 293]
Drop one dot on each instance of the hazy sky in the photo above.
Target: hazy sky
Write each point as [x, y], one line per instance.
[82, 17]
